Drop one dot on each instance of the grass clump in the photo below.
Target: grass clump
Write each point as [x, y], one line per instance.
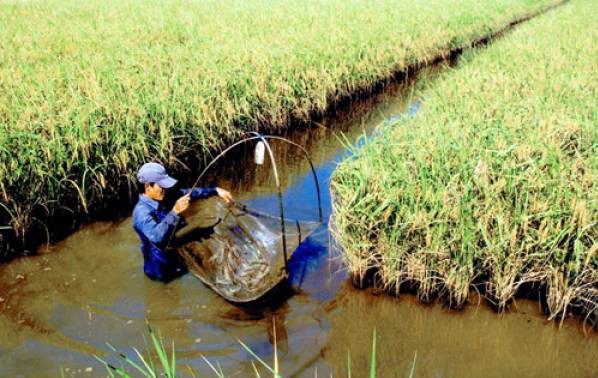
[493, 185]
[147, 368]
[91, 89]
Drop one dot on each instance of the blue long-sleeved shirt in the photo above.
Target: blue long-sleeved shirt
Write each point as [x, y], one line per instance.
[154, 224]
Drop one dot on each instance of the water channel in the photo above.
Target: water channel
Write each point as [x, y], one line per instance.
[59, 308]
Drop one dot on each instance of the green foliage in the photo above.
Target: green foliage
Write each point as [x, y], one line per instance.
[494, 181]
[147, 367]
[167, 368]
[373, 358]
[91, 89]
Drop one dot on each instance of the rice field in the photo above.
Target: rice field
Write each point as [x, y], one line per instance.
[91, 89]
[493, 185]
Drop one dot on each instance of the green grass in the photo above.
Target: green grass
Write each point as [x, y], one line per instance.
[493, 185]
[91, 89]
[144, 366]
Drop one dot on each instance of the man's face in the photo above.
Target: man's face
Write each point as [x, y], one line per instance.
[155, 192]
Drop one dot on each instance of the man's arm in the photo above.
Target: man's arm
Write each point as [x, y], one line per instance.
[197, 193]
[157, 232]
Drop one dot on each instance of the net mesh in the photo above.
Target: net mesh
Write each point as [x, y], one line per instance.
[239, 252]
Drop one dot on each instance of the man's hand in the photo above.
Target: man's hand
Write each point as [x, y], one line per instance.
[225, 195]
[182, 204]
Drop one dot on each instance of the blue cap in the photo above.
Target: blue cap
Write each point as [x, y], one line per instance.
[154, 172]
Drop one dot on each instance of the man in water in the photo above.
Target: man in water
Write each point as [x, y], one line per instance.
[155, 222]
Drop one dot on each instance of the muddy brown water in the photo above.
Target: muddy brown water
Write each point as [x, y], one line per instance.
[59, 309]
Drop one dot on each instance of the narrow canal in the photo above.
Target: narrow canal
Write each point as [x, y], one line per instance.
[58, 309]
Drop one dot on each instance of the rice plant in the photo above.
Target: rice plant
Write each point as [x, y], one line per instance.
[493, 185]
[91, 89]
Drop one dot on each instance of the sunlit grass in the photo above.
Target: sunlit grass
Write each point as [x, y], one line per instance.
[494, 184]
[144, 366]
[90, 89]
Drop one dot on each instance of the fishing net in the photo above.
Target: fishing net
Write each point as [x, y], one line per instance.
[239, 252]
